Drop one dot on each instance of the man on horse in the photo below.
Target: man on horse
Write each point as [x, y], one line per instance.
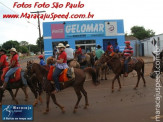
[128, 52]
[70, 53]
[3, 59]
[110, 49]
[61, 64]
[99, 52]
[116, 50]
[14, 65]
[79, 53]
[42, 62]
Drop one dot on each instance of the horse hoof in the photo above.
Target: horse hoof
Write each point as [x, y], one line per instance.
[112, 91]
[40, 99]
[135, 88]
[75, 110]
[0, 104]
[144, 85]
[119, 89]
[63, 111]
[46, 111]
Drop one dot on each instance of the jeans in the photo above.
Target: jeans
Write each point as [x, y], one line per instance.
[79, 57]
[9, 73]
[126, 65]
[56, 74]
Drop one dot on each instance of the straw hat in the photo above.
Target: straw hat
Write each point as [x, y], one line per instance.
[13, 50]
[60, 45]
[67, 45]
[78, 45]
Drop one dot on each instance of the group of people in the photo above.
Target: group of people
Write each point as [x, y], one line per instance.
[64, 55]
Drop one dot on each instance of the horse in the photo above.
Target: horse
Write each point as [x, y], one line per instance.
[77, 83]
[33, 83]
[117, 65]
[15, 85]
[92, 58]
[85, 59]
[101, 69]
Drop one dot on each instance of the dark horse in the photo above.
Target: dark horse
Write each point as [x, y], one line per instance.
[14, 85]
[77, 83]
[117, 65]
[33, 83]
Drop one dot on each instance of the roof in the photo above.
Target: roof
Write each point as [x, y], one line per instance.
[129, 38]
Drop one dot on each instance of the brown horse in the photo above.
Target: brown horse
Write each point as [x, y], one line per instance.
[14, 85]
[101, 69]
[117, 66]
[85, 59]
[77, 83]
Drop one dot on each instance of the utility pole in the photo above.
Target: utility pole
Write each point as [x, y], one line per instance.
[38, 13]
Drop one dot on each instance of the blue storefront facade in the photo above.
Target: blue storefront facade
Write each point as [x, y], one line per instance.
[88, 34]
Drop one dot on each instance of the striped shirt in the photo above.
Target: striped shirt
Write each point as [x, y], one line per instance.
[128, 51]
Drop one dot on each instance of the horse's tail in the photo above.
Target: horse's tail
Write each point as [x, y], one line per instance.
[92, 72]
[143, 68]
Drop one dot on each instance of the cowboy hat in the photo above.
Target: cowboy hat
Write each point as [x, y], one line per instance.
[67, 45]
[13, 50]
[60, 45]
[3, 50]
[78, 45]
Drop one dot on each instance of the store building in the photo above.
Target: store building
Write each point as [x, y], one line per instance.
[88, 34]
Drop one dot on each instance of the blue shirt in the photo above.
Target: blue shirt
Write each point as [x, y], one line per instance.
[42, 62]
[116, 49]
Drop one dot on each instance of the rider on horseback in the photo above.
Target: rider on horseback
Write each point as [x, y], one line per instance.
[3, 59]
[70, 53]
[61, 64]
[14, 65]
[128, 52]
[42, 62]
[110, 49]
[79, 53]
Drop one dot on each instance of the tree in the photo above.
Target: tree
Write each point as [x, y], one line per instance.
[9, 44]
[141, 33]
[23, 49]
[40, 43]
[23, 43]
[34, 48]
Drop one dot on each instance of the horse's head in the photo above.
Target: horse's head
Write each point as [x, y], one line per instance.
[50, 60]
[29, 67]
[104, 58]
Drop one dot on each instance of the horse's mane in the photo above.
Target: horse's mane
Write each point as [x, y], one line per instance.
[42, 69]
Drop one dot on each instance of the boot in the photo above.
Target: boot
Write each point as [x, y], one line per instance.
[4, 86]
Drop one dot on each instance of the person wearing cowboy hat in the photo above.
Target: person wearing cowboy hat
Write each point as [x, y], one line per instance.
[14, 65]
[61, 64]
[3, 59]
[70, 53]
[99, 52]
[128, 52]
[79, 52]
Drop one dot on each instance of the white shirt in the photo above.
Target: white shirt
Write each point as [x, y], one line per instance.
[69, 52]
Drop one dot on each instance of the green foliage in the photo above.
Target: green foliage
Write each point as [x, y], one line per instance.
[23, 49]
[23, 43]
[141, 33]
[33, 48]
[40, 43]
[9, 44]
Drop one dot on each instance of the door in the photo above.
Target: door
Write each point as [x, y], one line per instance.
[105, 43]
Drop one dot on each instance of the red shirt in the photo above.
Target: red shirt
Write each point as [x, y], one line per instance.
[3, 60]
[79, 51]
[63, 56]
[128, 50]
[110, 48]
[15, 58]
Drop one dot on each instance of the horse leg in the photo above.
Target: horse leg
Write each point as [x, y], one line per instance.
[12, 95]
[113, 82]
[142, 75]
[47, 103]
[16, 92]
[78, 93]
[102, 74]
[40, 92]
[119, 83]
[86, 98]
[55, 102]
[24, 88]
[105, 74]
[138, 73]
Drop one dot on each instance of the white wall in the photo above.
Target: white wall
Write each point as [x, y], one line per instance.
[149, 47]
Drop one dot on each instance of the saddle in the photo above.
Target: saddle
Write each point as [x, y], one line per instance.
[66, 75]
[14, 77]
[132, 61]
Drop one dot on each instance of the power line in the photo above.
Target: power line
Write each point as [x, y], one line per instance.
[17, 13]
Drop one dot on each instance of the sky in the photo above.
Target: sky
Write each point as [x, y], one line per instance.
[145, 13]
